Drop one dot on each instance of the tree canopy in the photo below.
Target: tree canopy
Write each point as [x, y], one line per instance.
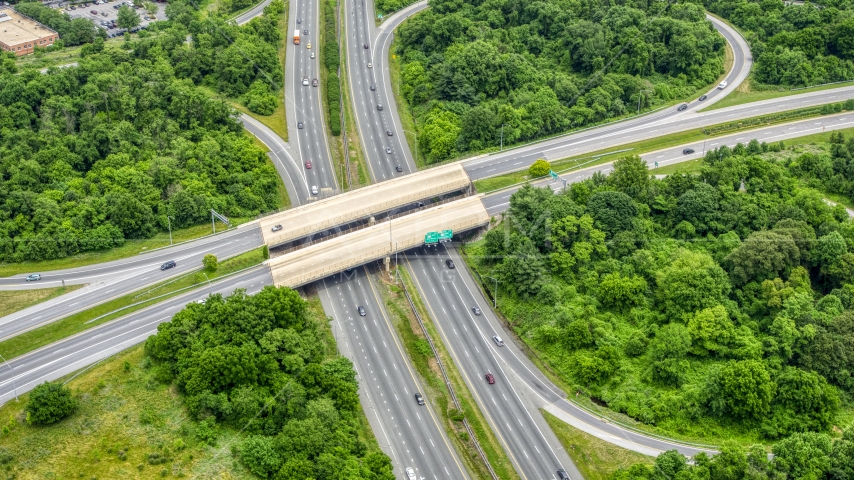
[99, 153]
[477, 73]
[691, 300]
[260, 363]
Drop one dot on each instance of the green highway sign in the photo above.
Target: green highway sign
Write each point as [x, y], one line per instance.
[446, 236]
[431, 237]
[553, 174]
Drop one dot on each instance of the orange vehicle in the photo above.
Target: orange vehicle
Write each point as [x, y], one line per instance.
[296, 37]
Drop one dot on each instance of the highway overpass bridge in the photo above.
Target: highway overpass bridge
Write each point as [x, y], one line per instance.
[381, 240]
[363, 205]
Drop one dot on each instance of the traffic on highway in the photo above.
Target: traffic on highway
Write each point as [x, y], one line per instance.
[508, 388]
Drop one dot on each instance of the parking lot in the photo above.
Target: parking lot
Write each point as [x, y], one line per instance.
[104, 14]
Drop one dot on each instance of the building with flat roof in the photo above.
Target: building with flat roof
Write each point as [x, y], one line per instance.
[21, 34]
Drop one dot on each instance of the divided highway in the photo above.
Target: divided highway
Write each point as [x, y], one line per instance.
[410, 433]
[530, 443]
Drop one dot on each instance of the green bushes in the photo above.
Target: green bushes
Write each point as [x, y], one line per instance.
[332, 60]
[333, 97]
[258, 363]
[49, 403]
[540, 168]
[716, 299]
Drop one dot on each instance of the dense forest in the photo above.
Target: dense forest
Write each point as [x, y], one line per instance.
[259, 364]
[93, 155]
[705, 304]
[540, 68]
[795, 44]
[813, 456]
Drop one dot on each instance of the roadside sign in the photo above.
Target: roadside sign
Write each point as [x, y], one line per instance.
[431, 238]
[552, 174]
[656, 164]
[446, 236]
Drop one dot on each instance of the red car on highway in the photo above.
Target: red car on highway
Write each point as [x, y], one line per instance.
[308, 165]
[489, 378]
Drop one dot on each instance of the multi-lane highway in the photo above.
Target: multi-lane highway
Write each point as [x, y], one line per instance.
[410, 433]
[512, 370]
[302, 98]
[63, 357]
[376, 113]
[113, 279]
[498, 202]
[533, 448]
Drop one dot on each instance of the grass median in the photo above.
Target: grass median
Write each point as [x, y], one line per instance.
[121, 306]
[422, 358]
[498, 182]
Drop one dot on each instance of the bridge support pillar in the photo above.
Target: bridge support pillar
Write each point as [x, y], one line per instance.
[387, 263]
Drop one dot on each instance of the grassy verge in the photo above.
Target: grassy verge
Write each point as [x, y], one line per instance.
[277, 122]
[691, 166]
[86, 319]
[744, 94]
[404, 110]
[12, 301]
[595, 458]
[121, 408]
[129, 249]
[419, 351]
[599, 157]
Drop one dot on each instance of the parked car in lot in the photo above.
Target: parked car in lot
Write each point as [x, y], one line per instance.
[489, 378]
[33, 278]
[93, 12]
[168, 265]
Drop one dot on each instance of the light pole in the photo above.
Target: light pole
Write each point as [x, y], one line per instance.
[501, 148]
[13, 377]
[640, 96]
[169, 224]
[495, 295]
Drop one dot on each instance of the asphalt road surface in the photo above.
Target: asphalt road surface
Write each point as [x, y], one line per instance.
[367, 68]
[640, 128]
[303, 102]
[410, 433]
[61, 358]
[114, 279]
[533, 448]
[498, 202]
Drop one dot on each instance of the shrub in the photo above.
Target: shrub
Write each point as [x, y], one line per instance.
[540, 168]
[210, 262]
[49, 403]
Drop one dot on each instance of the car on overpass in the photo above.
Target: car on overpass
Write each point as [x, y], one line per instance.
[276, 228]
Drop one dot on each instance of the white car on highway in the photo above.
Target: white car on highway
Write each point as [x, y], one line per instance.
[410, 473]
[722, 85]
